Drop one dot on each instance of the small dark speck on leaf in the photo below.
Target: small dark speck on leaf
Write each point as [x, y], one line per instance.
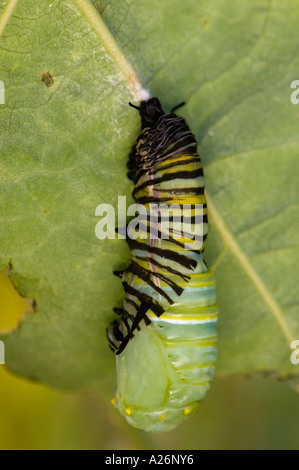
[47, 79]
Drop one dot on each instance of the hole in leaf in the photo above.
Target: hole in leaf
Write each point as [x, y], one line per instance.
[13, 306]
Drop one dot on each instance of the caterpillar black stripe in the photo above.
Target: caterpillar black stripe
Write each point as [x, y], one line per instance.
[166, 338]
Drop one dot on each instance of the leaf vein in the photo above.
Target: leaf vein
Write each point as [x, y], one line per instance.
[231, 243]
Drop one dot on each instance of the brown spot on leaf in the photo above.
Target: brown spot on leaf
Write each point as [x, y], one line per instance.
[47, 79]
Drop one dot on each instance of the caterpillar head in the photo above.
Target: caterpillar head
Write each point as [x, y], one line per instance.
[150, 112]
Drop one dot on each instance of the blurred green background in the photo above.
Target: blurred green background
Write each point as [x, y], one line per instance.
[238, 414]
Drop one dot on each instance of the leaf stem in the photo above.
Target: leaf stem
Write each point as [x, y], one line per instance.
[7, 12]
[112, 48]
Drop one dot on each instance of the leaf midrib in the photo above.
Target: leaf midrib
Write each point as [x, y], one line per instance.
[112, 48]
[7, 13]
[231, 244]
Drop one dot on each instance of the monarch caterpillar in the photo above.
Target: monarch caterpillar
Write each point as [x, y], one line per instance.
[166, 338]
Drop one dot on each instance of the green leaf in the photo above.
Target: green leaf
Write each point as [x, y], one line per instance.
[64, 150]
